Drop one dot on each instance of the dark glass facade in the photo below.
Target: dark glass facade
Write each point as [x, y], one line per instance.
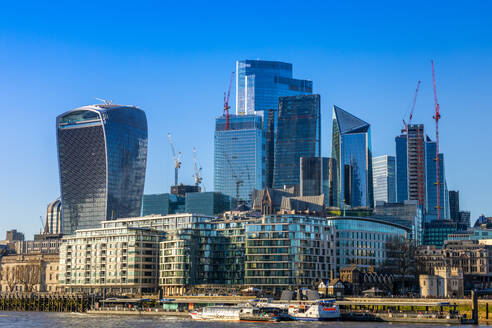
[163, 204]
[259, 85]
[437, 231]
[317, 176]
[351, 149]
[102, 155]
[454, 205]
[298, 135]
[401, 169]
[208, 203]
[431, 179]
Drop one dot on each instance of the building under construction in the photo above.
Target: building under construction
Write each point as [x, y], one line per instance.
[416, 171]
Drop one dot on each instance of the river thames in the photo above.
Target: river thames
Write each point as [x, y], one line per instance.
[78, 320]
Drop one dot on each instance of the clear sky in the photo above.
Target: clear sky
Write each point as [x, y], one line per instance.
[174, 61]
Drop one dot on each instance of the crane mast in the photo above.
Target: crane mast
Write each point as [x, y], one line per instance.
[177, 159]
[198, 169]
[235, 176]
[405, 124]
[437, 117]
[226, 102]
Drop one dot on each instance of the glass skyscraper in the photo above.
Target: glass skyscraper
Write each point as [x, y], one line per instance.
[351, 149]
[102, 156]
[384, 177]
[298, 135]
[431, 179]
[401, 169]
[239, 156]
[260, 83]
[317, 177]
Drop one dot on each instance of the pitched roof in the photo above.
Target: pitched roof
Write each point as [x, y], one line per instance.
[348, 123]
[276, 196]
[304, 203]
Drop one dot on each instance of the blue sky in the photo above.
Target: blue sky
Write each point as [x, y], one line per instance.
[174, 61]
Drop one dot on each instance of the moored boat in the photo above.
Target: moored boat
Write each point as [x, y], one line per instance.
[220, 313]
[265, 314]
[320, 310]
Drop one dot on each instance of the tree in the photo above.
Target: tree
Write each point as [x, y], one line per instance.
[400, 259]
[29, 276]
[10, 276]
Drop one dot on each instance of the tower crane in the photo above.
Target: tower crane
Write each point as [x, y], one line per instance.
[177, 159]
[226, 102]
[412, 108]
[235, 176]
[198, 169]
[437, 117]
[43, 226]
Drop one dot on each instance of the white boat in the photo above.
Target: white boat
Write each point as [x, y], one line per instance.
[220, 313]
[318, 311]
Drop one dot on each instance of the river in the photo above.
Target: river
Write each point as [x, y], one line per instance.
[78, 320]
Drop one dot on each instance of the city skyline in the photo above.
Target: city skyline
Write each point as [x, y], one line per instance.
[47, 72]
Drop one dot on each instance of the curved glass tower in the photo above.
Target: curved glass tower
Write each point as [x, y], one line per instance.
[351, 150]
[102, 156]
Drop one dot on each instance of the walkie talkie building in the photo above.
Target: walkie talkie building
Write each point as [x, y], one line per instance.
[102, 156]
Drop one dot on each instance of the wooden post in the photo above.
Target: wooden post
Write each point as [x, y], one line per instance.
[487, 311]
[474, 307]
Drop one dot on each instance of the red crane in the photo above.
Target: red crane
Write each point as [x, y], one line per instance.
[436, 117]
[226, 102]
[405, 124]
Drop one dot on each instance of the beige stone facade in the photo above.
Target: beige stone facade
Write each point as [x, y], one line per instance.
[446, 282]
[113, 260]
[29, 273]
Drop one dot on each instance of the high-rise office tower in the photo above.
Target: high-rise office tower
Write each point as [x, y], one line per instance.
[239, 156]
[384, 178]
[416, 166]
[410, 164]
[416, 172]
[317, 176]
[454, 205]
[260, 83]
[401, 169]
[298, 135]
[464, 219]
[102, 156]
[269, 117]
[431, 178]
[351, 149]
[53, 223]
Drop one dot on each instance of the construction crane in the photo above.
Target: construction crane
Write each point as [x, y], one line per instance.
[412, 108]
[437, 117]
[42, 223]
[226, 102]
[198, 169]
[235, 176]
[177, 159]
